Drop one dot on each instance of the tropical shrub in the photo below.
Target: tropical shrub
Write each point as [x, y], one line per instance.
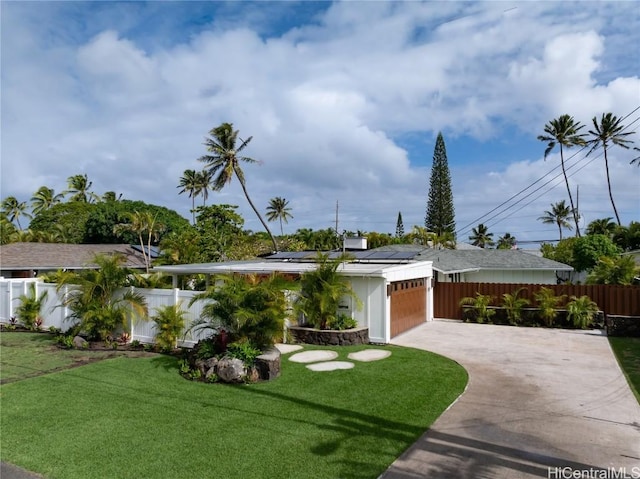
[28, 312]
[514, 305]
[616, 270]
[547, 304]
[170, 321]
[246, 307]
[581, 311]
[244, 351]
[95, 298]
[341, 322]
[480, 305]
[321, 291]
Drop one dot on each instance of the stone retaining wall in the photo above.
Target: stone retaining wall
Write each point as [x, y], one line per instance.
[628, 326]
[329, 337]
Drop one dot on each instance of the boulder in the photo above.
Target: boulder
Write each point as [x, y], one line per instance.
[231, 370]
[79, 342]
[268, 364]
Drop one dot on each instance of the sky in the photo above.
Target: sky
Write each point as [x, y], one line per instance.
[343, 101]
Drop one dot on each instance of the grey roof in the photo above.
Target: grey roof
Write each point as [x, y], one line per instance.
[450, 261]
[54, 256]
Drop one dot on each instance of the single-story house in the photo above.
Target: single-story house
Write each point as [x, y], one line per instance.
[396, 294]
[26, 260]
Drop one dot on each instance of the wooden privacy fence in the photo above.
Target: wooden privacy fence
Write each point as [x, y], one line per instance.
[611, 299]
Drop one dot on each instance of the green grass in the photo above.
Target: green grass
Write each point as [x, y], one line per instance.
[627, 350]
[24, 355]
[136, 417]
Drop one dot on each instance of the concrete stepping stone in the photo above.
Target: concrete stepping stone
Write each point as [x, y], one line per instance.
[368, 355]
[330, 366]
[288, 348]
[313, 356]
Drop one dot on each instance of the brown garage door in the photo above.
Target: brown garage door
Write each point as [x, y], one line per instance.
[408, 305]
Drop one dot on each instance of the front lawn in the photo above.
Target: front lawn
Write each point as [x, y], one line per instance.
[627, 350]
[24, 355]
[136, 417]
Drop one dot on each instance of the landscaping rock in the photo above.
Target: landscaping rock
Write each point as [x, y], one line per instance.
[79, 342]
[268, 364]
[231, 370]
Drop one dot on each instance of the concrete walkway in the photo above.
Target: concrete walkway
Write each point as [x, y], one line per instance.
[537, 399]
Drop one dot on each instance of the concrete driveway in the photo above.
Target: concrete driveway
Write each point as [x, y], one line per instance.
[540, 403]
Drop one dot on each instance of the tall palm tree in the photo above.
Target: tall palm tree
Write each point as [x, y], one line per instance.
[602, 226]
[43, 199]
[506, 242]
[480, 236]
[78, 188]
[558, 215]
[190, 183]
[14, 209]
[563, 131]
[225, 160]
[609, 131]
[278, 209]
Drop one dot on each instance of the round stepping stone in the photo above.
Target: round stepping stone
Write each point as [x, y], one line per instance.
[367, 355]
[313, 356]
[330, 366]
[288, 348]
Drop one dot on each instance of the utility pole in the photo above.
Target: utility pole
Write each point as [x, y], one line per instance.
[337, 206]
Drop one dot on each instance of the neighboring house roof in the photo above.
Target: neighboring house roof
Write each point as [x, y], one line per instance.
[54, 256]
[458, 261]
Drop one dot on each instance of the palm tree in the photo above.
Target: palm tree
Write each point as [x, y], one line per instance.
[43, 199]
[225, 162]
[563, 131]
[190, 183]
[278, 209]
[609, 131]
[97, 300]
[203, 179]
[602, 226]
[79, 186]
[142, 223]
[506, 242]
[480, 236]
[110, 197]
[14, 209]
[558, 215]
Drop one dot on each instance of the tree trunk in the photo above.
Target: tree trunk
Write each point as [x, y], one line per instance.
[566, 181]
[606, 164]
[246, 194]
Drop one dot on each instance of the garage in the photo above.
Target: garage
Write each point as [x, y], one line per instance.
[408, 304]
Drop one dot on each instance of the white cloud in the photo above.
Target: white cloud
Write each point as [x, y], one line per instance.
[323, 102]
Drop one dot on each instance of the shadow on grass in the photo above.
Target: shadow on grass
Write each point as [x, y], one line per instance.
[166, 362]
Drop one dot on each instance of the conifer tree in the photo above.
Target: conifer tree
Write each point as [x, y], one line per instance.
[399, 226]
[440, 217]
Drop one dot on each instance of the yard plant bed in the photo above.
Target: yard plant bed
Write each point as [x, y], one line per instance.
[136, 417]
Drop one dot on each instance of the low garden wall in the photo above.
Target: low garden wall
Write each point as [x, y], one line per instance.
[623, 325]
[330, 337]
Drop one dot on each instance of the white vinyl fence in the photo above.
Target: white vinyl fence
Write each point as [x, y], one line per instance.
[54, 314]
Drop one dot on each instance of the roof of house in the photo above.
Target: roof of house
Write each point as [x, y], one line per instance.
[54, 256]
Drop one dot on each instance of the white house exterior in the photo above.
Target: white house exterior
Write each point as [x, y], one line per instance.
[376, 284]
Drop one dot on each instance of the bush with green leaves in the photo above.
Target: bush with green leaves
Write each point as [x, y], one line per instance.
[614, 270]
[547, 303]
[170, 321]
[321, 291]
[341, 322]
[244, 351]
[98, 304]
[514, 305]
[28, 311]
[581, 311]
[246, 307]
[480, 306]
